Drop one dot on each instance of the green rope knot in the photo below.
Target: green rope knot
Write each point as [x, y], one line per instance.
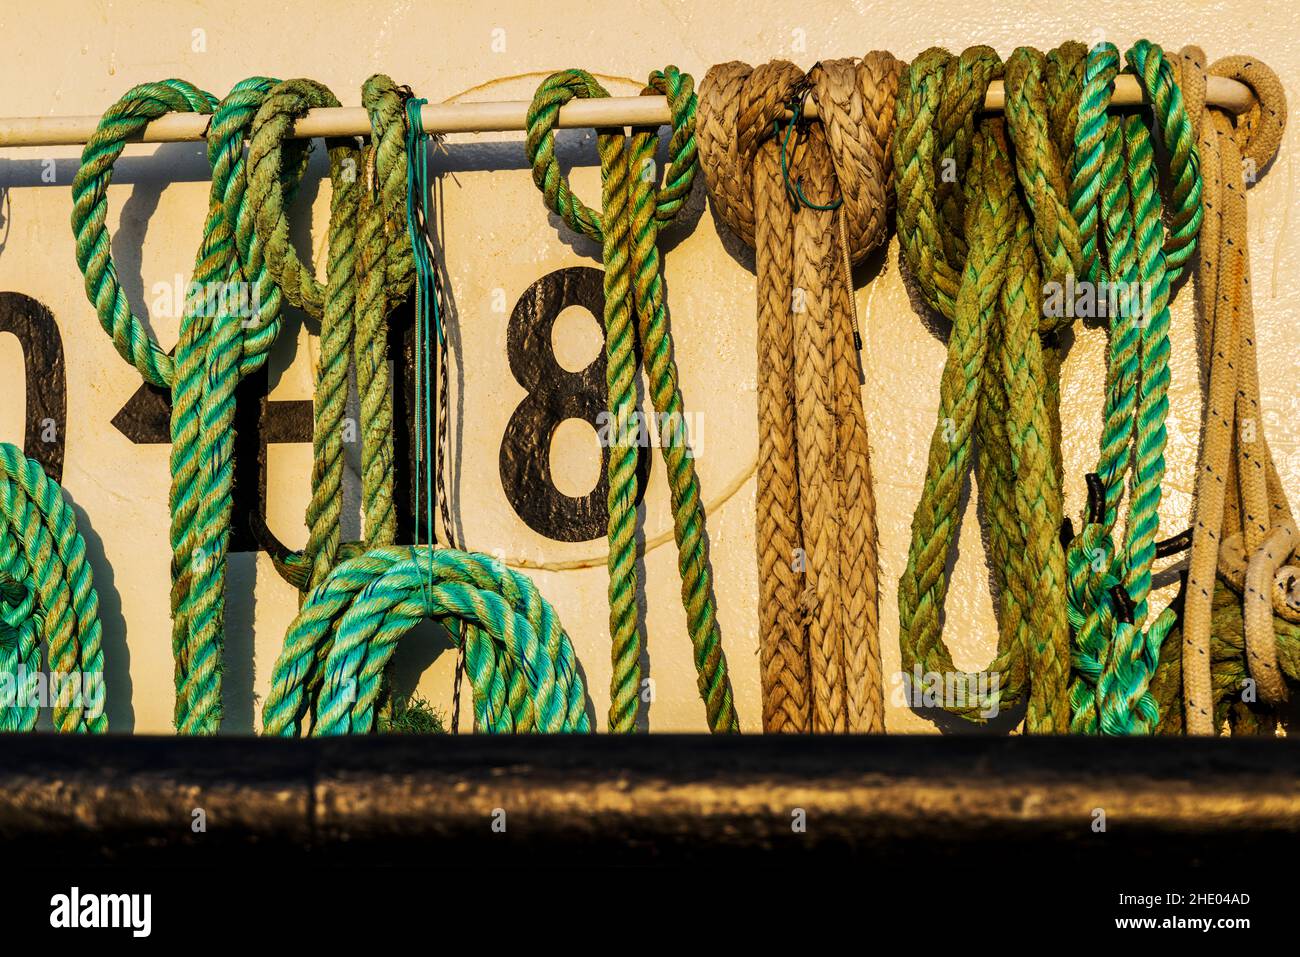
[539, 146]
[272, 155]
[683, 159]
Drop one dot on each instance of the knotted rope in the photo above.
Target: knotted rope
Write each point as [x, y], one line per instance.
[979, 255]
[633, 210]
[46, 595]
[1243, 525]
[818, 590]
[1115, 182]
[521, 664]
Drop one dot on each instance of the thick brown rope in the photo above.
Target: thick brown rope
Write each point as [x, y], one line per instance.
[1242, 528]
[816, 527]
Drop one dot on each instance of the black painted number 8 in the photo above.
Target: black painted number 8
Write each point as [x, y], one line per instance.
[554, 395]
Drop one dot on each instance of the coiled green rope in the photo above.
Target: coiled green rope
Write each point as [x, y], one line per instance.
[47, 594]
[633, 210]
[1116, 198]
[520, 661]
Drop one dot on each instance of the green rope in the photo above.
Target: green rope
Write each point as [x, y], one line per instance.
[1116, 652]
[47, 594]
[246, 241]
[271, 151]
[633, 210]
[237, 343]
[370, 268]
[521, 664]
[387, 272]
[979, 255]
[217, 347]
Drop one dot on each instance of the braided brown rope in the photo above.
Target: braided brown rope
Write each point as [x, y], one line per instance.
[816, 523]
[1242, 528]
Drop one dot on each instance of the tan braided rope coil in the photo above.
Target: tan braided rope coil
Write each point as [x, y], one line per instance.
[816, 524]
[1242, 526]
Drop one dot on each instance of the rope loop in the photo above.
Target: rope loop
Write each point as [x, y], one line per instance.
[1259, 129]
[124, 119]
[270, 167]
[386, 104]
[1043, 153]
[934, 136]
[1156, 75]
[539, 146]
[256, 331]
[683, 162]
[1096, 138]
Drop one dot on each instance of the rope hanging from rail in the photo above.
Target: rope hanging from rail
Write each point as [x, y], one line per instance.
[1116, 649]
[633, 211]
[246, 239]
[980, 255]
[1239, 628]
[369, 270]
[218, 345]
[47, 596]
[991, 212]
[810, 210]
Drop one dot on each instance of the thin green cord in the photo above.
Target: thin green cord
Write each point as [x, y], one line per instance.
[426, 301]
[795, 189]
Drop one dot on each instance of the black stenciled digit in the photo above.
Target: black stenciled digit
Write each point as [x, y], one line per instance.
[259, 423]
[46, 377]
[554, 395]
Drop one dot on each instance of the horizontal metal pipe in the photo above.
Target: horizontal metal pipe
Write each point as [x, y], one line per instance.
[478, 799]
[614, 111]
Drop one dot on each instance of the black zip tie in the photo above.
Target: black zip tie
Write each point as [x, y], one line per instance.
[1124, 607]
[1175, 544]
[1096, 498]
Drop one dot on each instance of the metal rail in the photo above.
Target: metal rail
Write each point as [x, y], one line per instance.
[661, 798]
[614, 111]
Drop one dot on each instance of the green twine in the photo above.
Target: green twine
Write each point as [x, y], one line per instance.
[427, 313]
[795, 189]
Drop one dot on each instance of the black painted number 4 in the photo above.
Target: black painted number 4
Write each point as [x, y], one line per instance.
[45, 375]
[554, 395]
